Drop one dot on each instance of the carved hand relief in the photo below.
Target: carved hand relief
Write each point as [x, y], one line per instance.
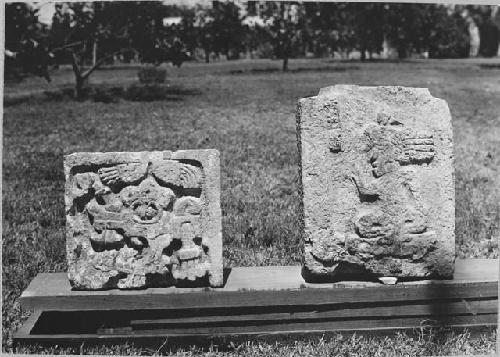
[379, 202]
[148, 221]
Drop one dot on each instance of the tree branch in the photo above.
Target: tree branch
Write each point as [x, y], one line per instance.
[70, 45]
[100, 62]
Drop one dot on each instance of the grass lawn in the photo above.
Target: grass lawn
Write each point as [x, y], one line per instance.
[246, 110]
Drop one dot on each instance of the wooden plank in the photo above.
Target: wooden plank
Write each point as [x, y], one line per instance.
[25, 329]
[321, 325]
[211, 299]
[263, 286]
[430, 309]
[357, 326]
[267, 278]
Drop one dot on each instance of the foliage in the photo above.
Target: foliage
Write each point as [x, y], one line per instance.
[218, 30]
[402, 26]
[445, 34]
[418, 28]
[112, 25]
[490, 38]
[321, 28]
[293, 29]
[489, 27]
[21, 25]
[26, 48]
[368, 24]
[227, 31]
[135, 29]
[285, 26]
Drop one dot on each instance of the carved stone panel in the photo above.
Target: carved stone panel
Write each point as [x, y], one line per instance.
[377, 183]
[143, 219]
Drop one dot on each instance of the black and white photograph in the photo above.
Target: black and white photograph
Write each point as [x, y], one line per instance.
[250, 178]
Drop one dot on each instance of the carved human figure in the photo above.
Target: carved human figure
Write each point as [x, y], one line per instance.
[376, 179]
[389, 213]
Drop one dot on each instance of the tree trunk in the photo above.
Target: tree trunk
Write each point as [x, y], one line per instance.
[363, 55]
[94, 53]
[207, 56]
[475, 38]
[285, 64]
[82, 77]
[401, 52]
[80, 87]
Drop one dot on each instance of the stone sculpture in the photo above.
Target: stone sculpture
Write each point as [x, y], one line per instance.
[377, 183]
[143, 219]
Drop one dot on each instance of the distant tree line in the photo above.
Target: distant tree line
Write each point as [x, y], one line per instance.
[88, 35]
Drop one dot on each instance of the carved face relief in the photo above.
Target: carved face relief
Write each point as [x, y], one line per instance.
[148, 215]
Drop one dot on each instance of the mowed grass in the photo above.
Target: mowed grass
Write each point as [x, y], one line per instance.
[246, 110]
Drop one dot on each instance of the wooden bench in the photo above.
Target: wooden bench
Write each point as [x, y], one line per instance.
[258, 301]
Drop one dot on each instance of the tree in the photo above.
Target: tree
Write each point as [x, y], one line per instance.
[21, 24]
[197, 28]
[444, 33]
[94, 33]
[187, 32]
[78, 28]
[403, 26]
[286, 27]
[483, 16]
[321, 27]
[368, 25]
[439, 30]
[227, 30]
[344, 27]
[217, 30]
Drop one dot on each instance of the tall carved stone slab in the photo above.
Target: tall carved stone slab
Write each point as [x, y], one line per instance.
[143, 219]
[377, 183]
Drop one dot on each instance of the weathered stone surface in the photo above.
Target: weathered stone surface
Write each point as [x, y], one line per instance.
[377, 183]
[143, 219]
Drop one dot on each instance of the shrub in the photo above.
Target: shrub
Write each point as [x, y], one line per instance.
[146, 93]
[152, 74]
[265, 50]
[62, 94]
[107, 95]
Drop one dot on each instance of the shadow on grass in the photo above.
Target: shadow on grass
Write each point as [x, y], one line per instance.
[489, 66]
[373, 60]
[107, 94]
[295, 70]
